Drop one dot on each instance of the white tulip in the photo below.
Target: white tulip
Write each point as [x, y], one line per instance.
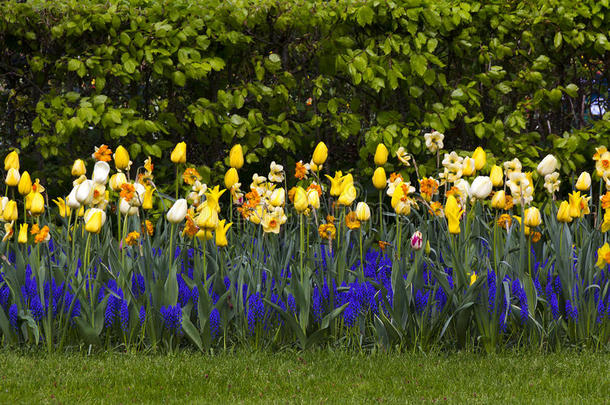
[100, 172]
[71, 200]
[84, 192]
[481, 187]
[547, 166]
[177, 212]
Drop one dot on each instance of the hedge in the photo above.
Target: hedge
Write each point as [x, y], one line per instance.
[278, 76]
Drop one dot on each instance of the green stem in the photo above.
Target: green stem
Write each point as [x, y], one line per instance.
[302, 247]
[361, 259]
[381, 213]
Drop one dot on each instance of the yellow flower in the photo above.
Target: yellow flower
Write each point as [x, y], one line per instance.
[272, 221]
[11, 161]
[221, 233]
[148, 227]
[584, 181]
[473, 278]
[278, 197]
[212, 197]
[335, 183]
[25, 184]
[132, 238]
[363, 212]
[453, 214]
[468, 167]
[575, 204]
[606, 222]
[348, 195]
[496, 176]
[480, 158]
[179, 153]
[64, 210]
[8, 231]
[12, 177]
[351, 220]
[403, 156]
[236, 157]
[78, 168]
[23, 233]
[313, 198]
[190, 176]
[381, 155]
[505, 221]
[563, 214]
[208, 217]
[121, 158]
[532, 217]
[93, 223]
[498, 201]
[300, 200]
[320, 154]
[603, 256]
[379, 178]
[148, 199]
[327, 231]
[231, 178]
[10, 211]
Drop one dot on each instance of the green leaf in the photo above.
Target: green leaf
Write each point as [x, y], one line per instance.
[365, 15]
[179, 78]
[419, 64]
[558, 40]
[571, 90]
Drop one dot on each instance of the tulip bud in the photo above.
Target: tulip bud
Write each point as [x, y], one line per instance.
[547, 166]
[177, 212]
[417, 241]
[236, 157]
[121, 158]
[78, 168]
[481, 187]
[36, 204]
[300, 200]
[94, 220]
[468, 167]
[23, 233]
[348, 195]
[381, 155]
[207, 218]
[117, 180]
[498, 201]
[532, 217]
[179, 153]
[100, 172]
[84, 192]
[148, 199]
[453, 214]
[25, 184]
[379, 178]
[563, 215]
[278, 197]
[231, 178]
[320, 154]
[496, 176]
[313, 198]
[10, 211]
[11, 161]
[363, 212]
[427, 249]
[12, 177]
[584, 181]
[480, 158]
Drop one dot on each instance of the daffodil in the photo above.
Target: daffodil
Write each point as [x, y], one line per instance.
[603, 256]
[434, 141]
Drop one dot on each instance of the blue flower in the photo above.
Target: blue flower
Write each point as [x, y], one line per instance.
[491, 291]
[172, 318]
[13, 316]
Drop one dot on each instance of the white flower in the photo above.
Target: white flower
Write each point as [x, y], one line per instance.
[481, 187]
[552, 182]
[547, 166]
[100, 172]
[434, 141]
[177, 212]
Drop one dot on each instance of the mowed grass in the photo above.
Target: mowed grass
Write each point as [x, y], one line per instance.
[305, 377]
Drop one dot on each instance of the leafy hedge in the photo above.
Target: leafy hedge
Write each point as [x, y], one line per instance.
[278, 76]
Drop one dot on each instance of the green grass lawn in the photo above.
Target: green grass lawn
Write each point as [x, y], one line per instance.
[307, 377]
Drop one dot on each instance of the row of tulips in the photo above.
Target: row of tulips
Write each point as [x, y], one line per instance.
[463, 259]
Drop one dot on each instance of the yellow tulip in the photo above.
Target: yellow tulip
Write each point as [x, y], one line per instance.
[468, 168]
[179, 153]
[584, 181]
[496, 176]
[221, 233]
[379, 178]
[335, 183]
[94, 222]
[498, 201]
[453, 214]
[23, 233]
[532, 217]
[348, 195]
[12, 177]
[11, 161]
[36, 204]
[606, 221]
[10, 211]
[320, 154]
[381, 155]
[207, 218]
[313, 198]
[231, 178]
[121, 158]
[480, 158]
[300, 200]
[563, 215]
[78, 168]
[212, 197]
[278, 197]
[236, 157]
[603, 256]
[25, 184]
[575, 207]
[63, 208]
[117, 180]
[148, 199]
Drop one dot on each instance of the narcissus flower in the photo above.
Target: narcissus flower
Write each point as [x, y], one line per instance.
[121, 158]
[320, 153]
[434, 141]
[25, 184]
[221, 233]
[236, 157]
[276, 173]
[11, 161]
[9, 231]
[78, 168]
[381, 155]
[603, 256]
[403, 156]
[363, 212]
[177, 212]
[552, 182]
[480, 158]
[453, 214]
[179, 153]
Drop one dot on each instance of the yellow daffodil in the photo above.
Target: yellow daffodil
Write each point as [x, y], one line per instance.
[603, 256]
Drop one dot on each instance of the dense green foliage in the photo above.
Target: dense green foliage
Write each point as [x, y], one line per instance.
[309, 377]
[516, 77]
